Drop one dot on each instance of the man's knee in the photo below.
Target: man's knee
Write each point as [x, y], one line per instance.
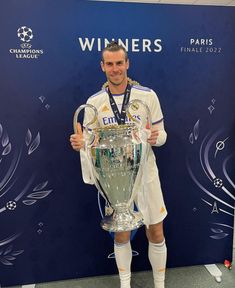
[122, 237]
[155, 233]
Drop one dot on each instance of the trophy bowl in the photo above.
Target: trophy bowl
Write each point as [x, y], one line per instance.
[116, 160]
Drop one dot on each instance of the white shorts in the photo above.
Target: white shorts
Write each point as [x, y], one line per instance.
[153, 197]
[155, 202]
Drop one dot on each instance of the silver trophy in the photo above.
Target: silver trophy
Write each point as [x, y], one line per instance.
[116, 156]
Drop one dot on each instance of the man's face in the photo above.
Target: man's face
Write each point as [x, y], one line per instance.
[115, 66]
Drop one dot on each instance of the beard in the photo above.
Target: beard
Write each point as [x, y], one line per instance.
[118, 81]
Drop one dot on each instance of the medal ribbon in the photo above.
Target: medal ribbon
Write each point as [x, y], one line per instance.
[120, 117]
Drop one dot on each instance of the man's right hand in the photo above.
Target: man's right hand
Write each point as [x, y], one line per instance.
[77, 140]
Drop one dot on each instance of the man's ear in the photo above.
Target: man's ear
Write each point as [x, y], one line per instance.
[128, 64]
[102, 66]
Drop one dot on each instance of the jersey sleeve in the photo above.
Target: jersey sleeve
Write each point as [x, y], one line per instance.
[157, 119]
[155, 108]
[88, 119]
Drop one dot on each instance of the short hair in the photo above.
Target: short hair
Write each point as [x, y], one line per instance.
[113, 46]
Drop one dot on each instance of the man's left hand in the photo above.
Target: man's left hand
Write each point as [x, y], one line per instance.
[153, 137]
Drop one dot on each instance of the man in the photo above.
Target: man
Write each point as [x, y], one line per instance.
[115, 64]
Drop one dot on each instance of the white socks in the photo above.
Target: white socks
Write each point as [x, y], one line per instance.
[123, 256]
[157, 258]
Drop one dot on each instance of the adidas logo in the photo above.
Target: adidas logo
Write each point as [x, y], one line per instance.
[105, 108]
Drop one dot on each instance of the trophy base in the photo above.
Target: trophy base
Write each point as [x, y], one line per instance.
[122, 221]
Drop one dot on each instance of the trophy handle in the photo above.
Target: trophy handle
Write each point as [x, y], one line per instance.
[134, 103]
[79, 109]
[86, 127]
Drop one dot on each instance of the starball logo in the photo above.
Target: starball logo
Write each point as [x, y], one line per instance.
[25, 35]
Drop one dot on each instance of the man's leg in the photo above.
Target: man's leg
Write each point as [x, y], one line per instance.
[157, 253]
[123, 256]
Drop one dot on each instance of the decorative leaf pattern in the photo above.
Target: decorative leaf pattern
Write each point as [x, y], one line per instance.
[1, 130]
[194, 135]
[39, 195]
[16, 253]
[196, 130]
[8, 255]
[5, 142]
[191, 138]
[34, 145]
[28, 137]
[29, 202]
[5, 262]
[40, 186]
[219, 236]
[7, 150]
[217, 230]
[5, 139]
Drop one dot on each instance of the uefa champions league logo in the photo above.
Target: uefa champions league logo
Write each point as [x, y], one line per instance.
[26, 35]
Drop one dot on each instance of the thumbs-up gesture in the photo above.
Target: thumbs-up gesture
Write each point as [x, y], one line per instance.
[77, 139]
[154, 135]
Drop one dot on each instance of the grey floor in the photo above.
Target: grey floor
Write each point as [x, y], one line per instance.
[190, 277]
[185, 277]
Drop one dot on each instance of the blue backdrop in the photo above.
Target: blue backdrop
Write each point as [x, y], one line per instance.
[49, 59]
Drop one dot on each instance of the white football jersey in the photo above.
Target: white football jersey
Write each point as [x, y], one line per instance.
[106, 116]
[105, 113]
